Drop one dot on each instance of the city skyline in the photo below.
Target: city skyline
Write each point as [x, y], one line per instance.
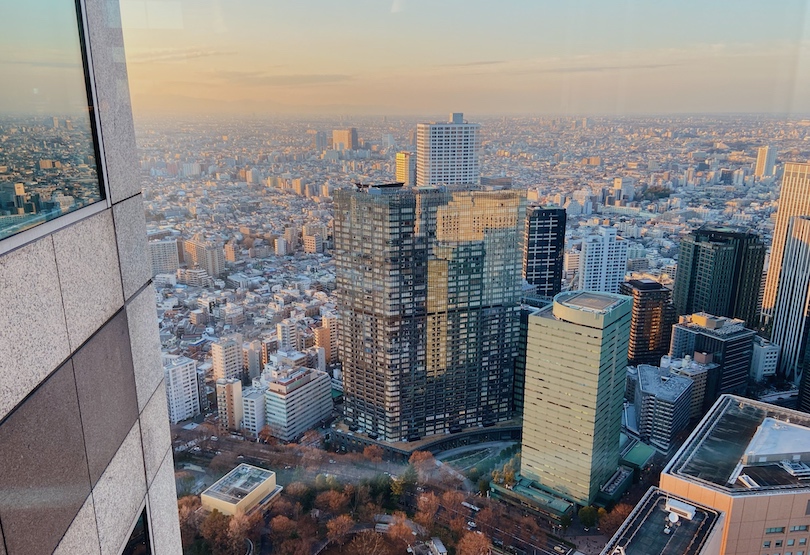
[407, 58]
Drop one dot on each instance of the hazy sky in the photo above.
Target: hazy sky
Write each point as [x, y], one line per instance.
[40, 58]
[480, 57]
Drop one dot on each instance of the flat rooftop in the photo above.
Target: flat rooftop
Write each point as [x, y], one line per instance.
[717, 453]
[589, 300]
[643, 533]
[661, 383]
[238, 483]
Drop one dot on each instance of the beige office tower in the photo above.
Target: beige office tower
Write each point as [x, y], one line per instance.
[749, 461]
[229, 404]
[794, 200]
[576, 355]
[406, 168]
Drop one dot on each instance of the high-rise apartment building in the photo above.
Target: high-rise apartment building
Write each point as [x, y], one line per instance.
[719, 270]
[651, 324]
[165, 258]
[204, 254]
[712, 339]
[794, 200]
[326, 337]
[406, 168]
[662, 401]
[603, 261]
[287, 334]
[226, 357]
[791, 316]
[543, 249]
[229, 403]
[766, 161]
[699, 374]
[428, 284]
[182, 390]
[447, 153]
[345, 139]
[86, 453]
[749, 461]
[576, 354]
[253, 411]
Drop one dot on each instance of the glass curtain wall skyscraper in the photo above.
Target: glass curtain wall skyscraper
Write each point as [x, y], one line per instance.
[719, 270]
[428, 290]
[543, 249]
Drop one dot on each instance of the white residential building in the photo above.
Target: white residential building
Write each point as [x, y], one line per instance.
[603, 261]
[764, 359]
[287, 333]
[226, 355]
[296, 400]
[447, 153]
[253, 407]
[182, 390]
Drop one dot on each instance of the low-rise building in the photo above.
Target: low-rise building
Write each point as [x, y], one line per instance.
[243, 490]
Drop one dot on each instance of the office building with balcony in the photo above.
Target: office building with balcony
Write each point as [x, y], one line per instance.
[651, 324]
[447, 153]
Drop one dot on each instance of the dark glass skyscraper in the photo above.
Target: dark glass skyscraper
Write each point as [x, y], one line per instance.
[428, 290]
[543, 248]
[652, 321]
[719, 272]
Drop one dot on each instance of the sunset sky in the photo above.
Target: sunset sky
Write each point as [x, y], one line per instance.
[430, 56]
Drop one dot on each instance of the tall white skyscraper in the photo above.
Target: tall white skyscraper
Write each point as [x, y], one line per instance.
[794, 200]
[766, 160]
[576, 354]
[182, 391]
[603, 261]
[447, 153]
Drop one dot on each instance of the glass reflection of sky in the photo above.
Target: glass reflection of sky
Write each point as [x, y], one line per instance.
[40, 59]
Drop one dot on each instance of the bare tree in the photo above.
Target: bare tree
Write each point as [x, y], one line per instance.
[338, 528]
[473, 544]
[368, 543]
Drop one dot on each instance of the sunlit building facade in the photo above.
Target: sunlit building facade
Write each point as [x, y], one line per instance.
[448, 153]
[428, 284]
[794, 200]
[576, 355]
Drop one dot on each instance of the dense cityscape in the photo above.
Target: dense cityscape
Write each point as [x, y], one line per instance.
[404, 277]
[319, 293]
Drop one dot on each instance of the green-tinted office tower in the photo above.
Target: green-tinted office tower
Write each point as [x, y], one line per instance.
[719, 272]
